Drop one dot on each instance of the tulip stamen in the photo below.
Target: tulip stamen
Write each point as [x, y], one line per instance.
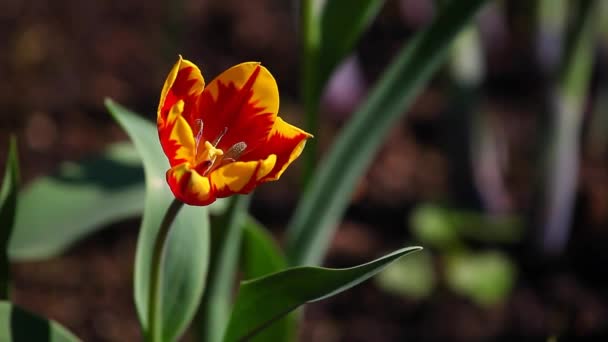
[199, 134]
[219, 138]
[235, 151]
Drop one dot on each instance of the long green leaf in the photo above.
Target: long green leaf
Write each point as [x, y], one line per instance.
[76, 201]
[226, 232]
[185, 261]
[8, 208]
[261, 301]
[19, 325]
[260, 256]
[312, 226]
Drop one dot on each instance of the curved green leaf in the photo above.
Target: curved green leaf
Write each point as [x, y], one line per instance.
[329, 191]
[20, 325]
[261, 301]
[185, 261]
[76, 201]
[8, 208]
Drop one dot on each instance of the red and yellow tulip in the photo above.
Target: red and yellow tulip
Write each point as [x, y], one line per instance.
[225, 138]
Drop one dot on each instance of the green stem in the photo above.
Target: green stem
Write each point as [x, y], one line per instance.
[310, 38]
[153, 332]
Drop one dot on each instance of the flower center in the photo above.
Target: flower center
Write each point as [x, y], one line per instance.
[208, 157]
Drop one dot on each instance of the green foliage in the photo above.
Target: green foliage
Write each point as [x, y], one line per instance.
[444, 228]
[486, 278]
[412, 277]
[261, 256]
[185, 261]
[8, 208]
[329, 191]
[557, 188]
[85, 196]
[226, 232]
[19, 325]
[263, 300]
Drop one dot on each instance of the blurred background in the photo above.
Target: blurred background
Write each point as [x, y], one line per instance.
[498, 170]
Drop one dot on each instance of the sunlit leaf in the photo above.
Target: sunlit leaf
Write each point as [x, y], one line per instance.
[185, 261]
[263, 300]
[19, 325]
[77, 200]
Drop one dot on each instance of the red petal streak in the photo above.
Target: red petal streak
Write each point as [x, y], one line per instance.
[238, 110]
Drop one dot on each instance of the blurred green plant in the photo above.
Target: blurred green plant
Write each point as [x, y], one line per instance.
[486, 277]
[444, 228]
[20, 325]
[560, 157]
[412, 277]
[8, 211]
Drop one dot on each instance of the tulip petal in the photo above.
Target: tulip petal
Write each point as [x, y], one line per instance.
[244, 100]
[177, 139]
[286, 142]
[184, 82]
[183, 85]
[240, 177]
[188, 186]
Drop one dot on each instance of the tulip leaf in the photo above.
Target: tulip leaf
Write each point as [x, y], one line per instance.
[342, 23]
[329, 191]
[20, 325]
[87, 196]
[226, 233]
[8, 208]
[76, 201]
[185, 262]
[260, 256]
[263, 300]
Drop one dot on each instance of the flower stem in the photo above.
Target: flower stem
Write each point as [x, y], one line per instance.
[153, 331]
